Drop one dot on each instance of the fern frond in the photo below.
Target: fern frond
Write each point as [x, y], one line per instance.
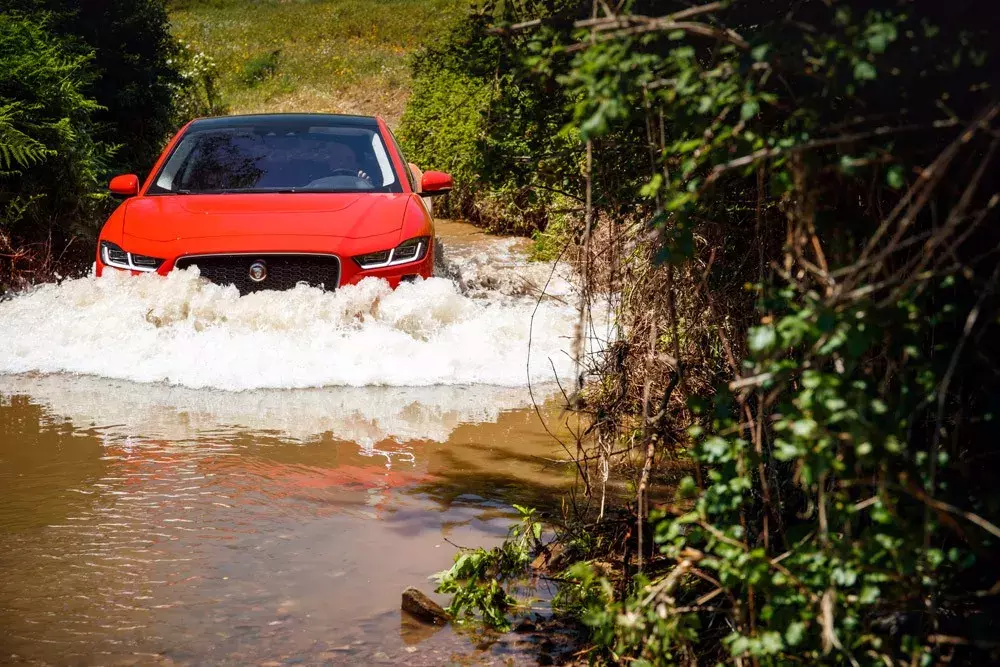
[18, 150]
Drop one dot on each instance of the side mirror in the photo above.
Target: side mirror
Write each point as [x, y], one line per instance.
[434, 183]
[126, 185]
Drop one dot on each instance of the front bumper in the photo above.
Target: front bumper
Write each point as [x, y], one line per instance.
[349, 272]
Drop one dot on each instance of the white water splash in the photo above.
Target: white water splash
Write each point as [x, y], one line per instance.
[120, 410]
[181, 330]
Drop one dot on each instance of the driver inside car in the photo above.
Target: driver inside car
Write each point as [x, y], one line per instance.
[343, 159]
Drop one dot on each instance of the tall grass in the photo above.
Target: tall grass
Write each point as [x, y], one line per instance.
[347, 56]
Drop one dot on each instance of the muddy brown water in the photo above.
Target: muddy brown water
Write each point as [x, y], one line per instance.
[159, 534]
[156, 523]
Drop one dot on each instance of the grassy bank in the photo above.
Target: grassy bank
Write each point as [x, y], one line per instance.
[347, 56]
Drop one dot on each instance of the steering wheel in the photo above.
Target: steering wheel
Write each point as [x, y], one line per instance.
[337, 180]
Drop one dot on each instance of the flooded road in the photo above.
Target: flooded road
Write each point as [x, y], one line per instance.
[150, 514]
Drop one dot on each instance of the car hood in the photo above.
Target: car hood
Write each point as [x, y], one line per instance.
[174, 217]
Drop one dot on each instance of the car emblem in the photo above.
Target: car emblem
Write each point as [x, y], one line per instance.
[258, 271]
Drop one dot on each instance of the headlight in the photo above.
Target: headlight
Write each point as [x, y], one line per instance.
[113, 255]
[413, 250]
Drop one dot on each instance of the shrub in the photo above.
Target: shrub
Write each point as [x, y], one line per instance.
[479, 578]
[197, 93]
[494, 123]
[51, 167]
[130, 49]
[835, 516]
[88, 89]
[836, 164]
[260, 68]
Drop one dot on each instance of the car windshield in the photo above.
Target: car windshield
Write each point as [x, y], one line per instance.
[288, 156]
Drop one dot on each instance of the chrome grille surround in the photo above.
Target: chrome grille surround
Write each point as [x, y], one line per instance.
[285, 270]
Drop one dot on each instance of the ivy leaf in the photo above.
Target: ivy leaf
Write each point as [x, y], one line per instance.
[762, 339]
[795, 632]
[894, 177]
[739, 646]
[869, 594]
[880, 35]
[864, 71]
[770, 643]
[687, 488]
[716, 449]
[650, 189]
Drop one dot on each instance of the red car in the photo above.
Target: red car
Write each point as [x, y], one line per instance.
[273, 201]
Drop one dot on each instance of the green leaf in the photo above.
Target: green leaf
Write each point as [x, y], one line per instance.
[869, 594]
[739, 645]
[770, 643]
[795, 632]
[786, 451]
[749, 109]
[716, 449]
[894, 177]
[762, 339]
[687, 488]
[864, 71]
[880, 35]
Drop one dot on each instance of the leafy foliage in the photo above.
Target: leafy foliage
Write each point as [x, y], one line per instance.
[17, 149]
[49, 161]
[493, 123]
[260, 68]
[839, 160]
[478, 579]
[132, 76]
[87, 89]
[197, 93]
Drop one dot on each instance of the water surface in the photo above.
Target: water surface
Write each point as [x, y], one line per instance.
[193, 477]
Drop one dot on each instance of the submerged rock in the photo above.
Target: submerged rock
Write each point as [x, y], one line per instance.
[421, 607]
[550, 559]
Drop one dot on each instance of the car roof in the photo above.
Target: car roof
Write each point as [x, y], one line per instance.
[343, 120]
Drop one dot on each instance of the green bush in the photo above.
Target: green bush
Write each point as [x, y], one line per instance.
[51, 166]
[134, 78]
[479, 578]
[837, 164]
[88, 89]
[260, 68]
[441, 129]
[838, 516]
[197, 92]
[492, 122]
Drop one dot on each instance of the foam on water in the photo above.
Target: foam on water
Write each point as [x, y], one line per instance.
[123, 411]
[182, 330]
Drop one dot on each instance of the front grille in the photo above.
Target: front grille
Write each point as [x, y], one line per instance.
[283, 272]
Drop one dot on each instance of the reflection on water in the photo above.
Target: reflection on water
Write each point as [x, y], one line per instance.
[176, 522]
[157, 524]
[368, 416]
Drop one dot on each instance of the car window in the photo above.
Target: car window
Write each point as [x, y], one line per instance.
[292, 157]
[409, 172]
